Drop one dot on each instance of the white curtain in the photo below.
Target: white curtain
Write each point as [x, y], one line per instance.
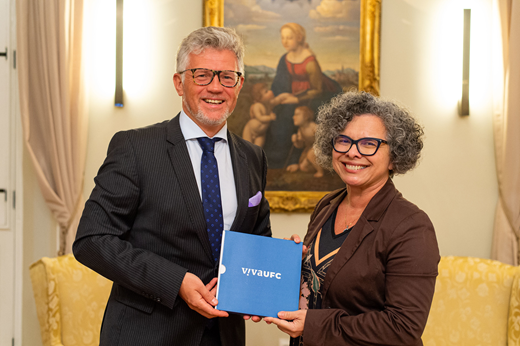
[506, 124]
[52, 104]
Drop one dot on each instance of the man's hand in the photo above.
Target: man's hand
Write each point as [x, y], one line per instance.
[212, 286]
[199, 297]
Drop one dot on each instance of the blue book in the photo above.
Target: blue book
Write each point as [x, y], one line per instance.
[258, 275]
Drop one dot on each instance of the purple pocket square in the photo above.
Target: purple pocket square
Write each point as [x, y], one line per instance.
[255, 200]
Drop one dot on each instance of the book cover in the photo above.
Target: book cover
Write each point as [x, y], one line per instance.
[258, 275]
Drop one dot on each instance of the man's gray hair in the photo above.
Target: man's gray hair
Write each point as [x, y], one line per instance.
[210, 37]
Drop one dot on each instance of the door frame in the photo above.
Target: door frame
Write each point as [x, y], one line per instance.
[17, 178]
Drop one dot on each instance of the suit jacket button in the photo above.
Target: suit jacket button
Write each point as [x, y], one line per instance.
[158, 300]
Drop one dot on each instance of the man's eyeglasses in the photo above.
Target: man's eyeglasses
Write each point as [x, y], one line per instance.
[366, 146]
[204, 76]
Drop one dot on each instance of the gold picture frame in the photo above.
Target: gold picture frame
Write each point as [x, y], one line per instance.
[369, 55]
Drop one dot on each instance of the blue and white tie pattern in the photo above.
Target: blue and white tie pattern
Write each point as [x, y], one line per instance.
[211, 200]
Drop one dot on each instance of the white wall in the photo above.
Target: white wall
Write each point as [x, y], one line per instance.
[420, 66]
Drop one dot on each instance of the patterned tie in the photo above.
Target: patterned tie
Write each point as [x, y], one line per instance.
[211, 200]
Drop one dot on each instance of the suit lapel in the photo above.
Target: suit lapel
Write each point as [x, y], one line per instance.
[241, 174]
[373, 212]
[322, 216]
[182, 166]
[347, 250]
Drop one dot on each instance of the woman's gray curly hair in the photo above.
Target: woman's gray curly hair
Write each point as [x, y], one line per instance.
[403, 133]
[210, 37]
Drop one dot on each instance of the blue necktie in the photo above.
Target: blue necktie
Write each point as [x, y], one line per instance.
[211, 200]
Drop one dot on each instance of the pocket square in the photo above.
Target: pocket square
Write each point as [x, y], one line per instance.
[255, 200]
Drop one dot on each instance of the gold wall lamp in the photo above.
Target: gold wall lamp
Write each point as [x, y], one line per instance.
[118, 102]
[464, 101]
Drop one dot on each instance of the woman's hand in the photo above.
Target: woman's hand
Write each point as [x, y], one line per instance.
[255, 319]
[289, 322]
[297, 240]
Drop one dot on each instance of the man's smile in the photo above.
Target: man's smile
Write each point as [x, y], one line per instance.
[216, 102]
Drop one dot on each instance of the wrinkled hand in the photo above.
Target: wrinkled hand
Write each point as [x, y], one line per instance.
[289, 322]
[297, 240]
[199, 297]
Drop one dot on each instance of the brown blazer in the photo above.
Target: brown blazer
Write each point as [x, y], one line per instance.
[379, 287]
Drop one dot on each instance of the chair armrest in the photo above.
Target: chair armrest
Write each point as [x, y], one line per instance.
[513, 323]
[47, 301]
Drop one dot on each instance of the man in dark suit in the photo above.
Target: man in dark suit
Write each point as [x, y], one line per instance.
[145, 224]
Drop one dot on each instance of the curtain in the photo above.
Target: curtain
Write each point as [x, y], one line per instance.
[506, 123]
[52, 104]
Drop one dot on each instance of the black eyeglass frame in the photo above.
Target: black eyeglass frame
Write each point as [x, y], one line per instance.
[378, 140]
[215, 72]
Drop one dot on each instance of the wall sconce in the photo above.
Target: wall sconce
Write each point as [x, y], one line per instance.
[118, 102]
[464, 101]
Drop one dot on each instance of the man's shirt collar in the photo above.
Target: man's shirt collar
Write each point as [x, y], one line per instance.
[190, 130]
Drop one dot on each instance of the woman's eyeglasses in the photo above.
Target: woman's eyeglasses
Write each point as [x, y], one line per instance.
[366, 146]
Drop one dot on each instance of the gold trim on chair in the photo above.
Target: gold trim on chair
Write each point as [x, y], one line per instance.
[45, 289]
[70, 301]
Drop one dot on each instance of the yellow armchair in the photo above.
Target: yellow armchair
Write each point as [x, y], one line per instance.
[70, 301]
[476, 303]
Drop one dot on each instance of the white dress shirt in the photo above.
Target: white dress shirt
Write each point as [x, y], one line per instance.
[191, 132]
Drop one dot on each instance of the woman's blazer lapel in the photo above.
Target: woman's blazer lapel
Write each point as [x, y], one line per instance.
[366, 224]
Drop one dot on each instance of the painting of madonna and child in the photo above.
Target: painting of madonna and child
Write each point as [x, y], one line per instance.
[299, 54]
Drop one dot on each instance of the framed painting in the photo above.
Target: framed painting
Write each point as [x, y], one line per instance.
[299, 54]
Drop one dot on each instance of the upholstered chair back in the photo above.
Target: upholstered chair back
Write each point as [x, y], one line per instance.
[476, 302]
[70, 301]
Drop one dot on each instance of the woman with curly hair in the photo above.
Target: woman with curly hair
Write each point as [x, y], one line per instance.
[370, 258]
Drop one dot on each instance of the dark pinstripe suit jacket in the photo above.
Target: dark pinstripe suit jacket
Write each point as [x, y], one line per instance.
[143, 228]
